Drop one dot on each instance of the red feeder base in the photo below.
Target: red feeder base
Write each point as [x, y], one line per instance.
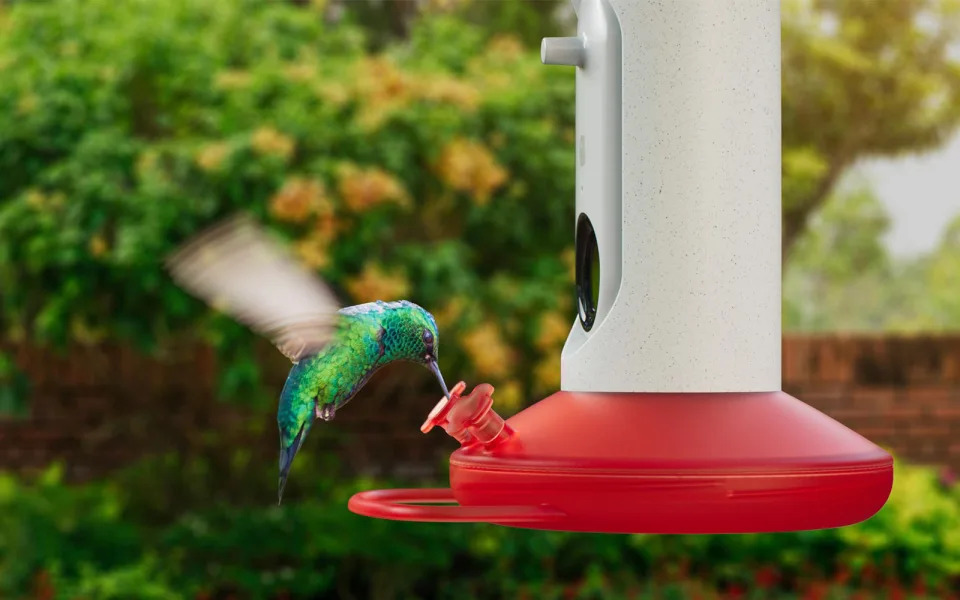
[658, 463]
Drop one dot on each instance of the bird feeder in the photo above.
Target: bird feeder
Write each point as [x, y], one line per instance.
[670, 417]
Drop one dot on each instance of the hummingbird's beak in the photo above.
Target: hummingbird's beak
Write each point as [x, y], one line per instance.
[432, 364]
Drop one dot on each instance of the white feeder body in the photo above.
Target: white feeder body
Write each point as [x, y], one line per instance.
[678, 171]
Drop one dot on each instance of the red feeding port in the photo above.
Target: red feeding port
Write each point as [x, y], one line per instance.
[469, 419]
[648, 463]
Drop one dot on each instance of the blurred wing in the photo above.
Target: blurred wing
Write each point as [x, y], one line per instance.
[236, 268]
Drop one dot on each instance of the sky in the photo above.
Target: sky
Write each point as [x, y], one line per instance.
[921, 193]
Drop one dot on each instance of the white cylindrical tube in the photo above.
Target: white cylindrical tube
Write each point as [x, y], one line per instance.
[694, 303]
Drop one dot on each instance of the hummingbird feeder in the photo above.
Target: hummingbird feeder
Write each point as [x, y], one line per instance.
[670, 417]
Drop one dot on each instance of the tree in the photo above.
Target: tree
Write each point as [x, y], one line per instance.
[861, 78]
[839, 274]
[841, 277]
[941, 283]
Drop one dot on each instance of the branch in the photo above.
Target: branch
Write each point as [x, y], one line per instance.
[795, 220]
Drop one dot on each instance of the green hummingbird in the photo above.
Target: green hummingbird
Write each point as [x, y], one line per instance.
[237, 268]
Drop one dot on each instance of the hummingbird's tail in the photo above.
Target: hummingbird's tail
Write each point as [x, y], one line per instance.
[286, 459]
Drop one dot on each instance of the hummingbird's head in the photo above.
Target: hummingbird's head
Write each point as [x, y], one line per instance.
[411, 334]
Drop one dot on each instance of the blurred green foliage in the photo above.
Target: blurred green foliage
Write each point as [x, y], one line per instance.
[861, 78]
[842, 277]
[419, 171]
[942, 272]
[14, 388]
[90, 542]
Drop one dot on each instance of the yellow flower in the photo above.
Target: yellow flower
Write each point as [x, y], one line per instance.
[373, 283]
[517, 189]
[28, 103]
[70, 48]
[363, 189]
[449, 313]
[36, 198]
[269, 141]
[547, 373]
[488, 351]
[372, 117]
[505, 45]
[326, 226]
[85, 333]
[436, 88]
[210, 158]
[313, 251]
[16, 332]
[491, 82]
[333, 92]
[508, 397]
[232, 80]
[300, 72]
[146, 161]
[442, 5]
[56, 199]
[98, 246]
[383, 88]
[108, 74]
[297, 200]
[569, 258]
[468, 166]
[382, 80]
[553, 331]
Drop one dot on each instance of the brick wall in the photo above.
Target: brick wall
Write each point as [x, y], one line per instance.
[99, 408]
[903, 393]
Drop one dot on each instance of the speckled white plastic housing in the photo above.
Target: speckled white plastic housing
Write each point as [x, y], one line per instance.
[696, 304]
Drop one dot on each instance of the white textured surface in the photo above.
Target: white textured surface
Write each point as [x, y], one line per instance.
[698, 306]
[599, 126]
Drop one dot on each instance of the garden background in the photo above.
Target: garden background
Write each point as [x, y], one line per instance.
[414, 150]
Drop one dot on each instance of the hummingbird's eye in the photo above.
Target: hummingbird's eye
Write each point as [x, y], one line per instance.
[427, 336]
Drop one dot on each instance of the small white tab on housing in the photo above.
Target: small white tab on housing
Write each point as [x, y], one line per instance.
[562, 51]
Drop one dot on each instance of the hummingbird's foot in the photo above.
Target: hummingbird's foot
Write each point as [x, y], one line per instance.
[326, 412]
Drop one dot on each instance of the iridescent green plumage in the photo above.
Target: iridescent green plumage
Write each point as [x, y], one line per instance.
[242, 270]
[368, 337]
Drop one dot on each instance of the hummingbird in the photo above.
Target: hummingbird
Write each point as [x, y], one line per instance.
[239, 269]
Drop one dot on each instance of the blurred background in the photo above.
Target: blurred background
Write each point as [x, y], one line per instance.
[419, 150]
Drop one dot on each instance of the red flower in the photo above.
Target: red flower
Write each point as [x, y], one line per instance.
[736, 591]
[816, 591]
[947, 477]
[766, 577]
[920, 586]
[42, 587]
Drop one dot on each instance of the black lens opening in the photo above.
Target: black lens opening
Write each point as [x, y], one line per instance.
[587, 271]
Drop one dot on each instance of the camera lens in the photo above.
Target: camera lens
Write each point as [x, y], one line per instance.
[587, 271]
